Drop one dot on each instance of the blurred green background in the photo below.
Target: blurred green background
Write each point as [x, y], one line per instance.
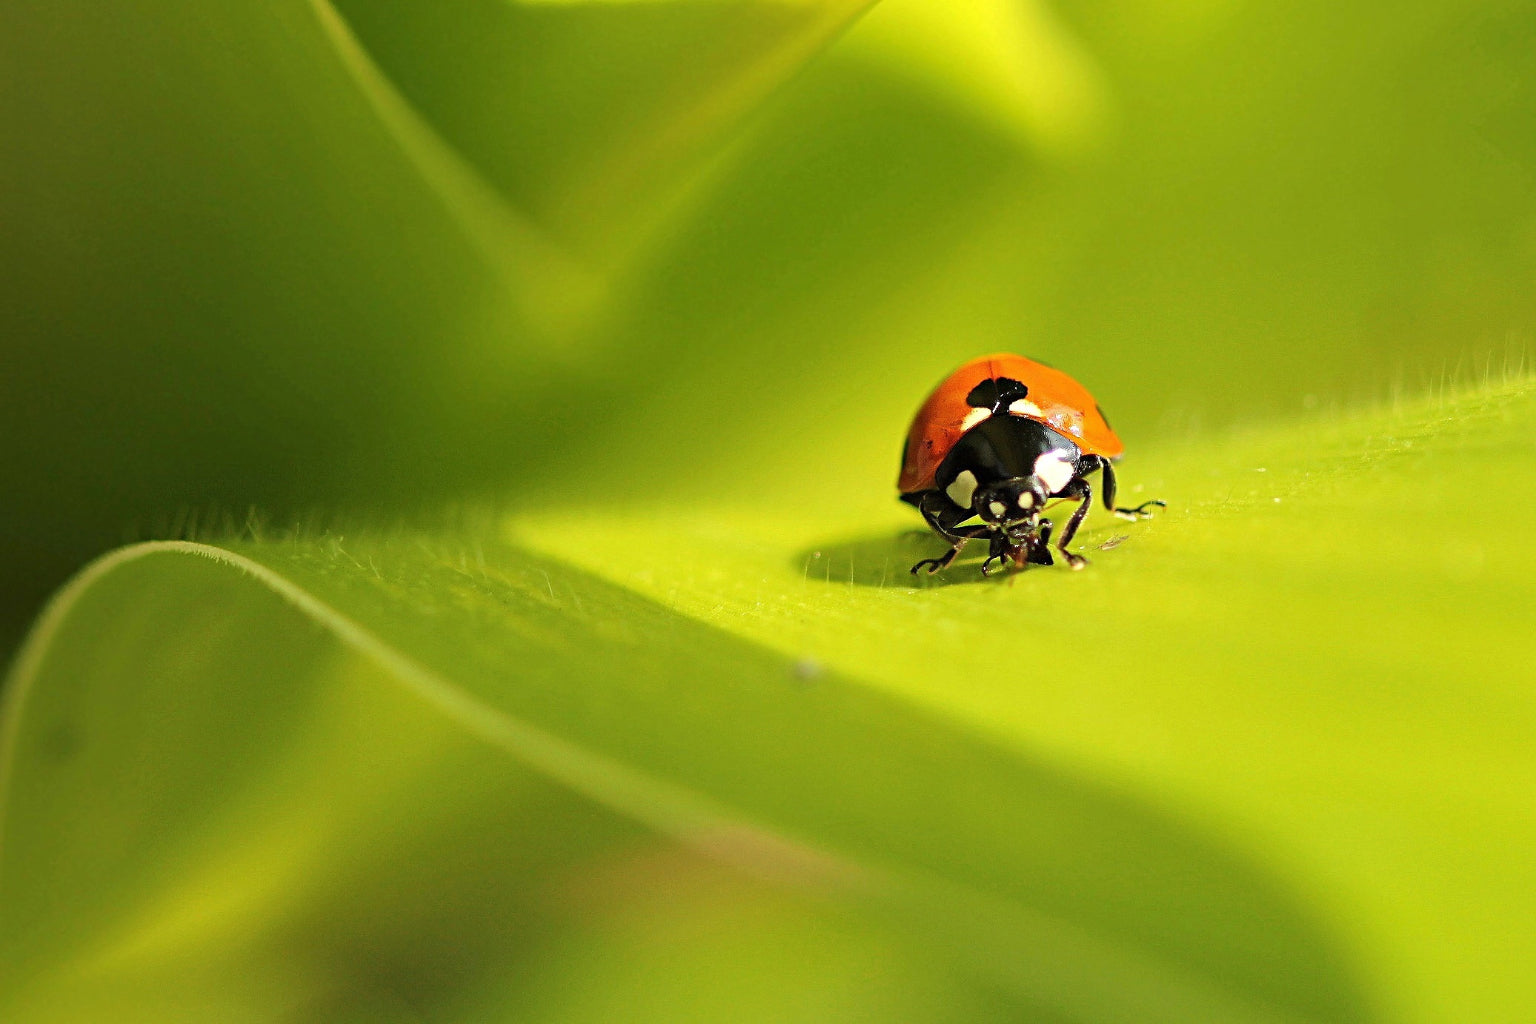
[289, 256]
[300, 276]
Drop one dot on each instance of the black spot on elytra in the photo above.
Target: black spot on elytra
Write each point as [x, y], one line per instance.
[996, 394]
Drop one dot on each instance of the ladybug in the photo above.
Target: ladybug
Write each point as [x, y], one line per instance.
[996, 441]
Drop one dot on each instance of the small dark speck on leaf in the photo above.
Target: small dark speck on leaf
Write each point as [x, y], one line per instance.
[1114, 542]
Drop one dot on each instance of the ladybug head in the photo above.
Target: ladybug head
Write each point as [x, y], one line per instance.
[1014, 500]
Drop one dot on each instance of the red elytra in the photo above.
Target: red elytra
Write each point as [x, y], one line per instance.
[1064, 406]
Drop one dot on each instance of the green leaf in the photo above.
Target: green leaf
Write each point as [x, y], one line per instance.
[592, 115]
[282, 269]
[675, 735]
[1241, 768]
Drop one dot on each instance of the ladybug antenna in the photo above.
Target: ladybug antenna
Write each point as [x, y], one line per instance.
[996, 394]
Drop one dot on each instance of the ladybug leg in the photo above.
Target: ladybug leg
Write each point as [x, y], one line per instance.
[957, 537]
[1002, 546]
[1140, 511]
[1040, 545]
[1078, 488]
[1108, 478]
[941, 563]
[959, 540]
[1107, 481]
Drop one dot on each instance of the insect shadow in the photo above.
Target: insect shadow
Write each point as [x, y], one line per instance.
[886, 560]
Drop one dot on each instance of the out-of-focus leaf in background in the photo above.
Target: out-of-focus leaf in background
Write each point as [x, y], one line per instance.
[1259, 212]
[590, 115]
[242, 268]
[289, 254]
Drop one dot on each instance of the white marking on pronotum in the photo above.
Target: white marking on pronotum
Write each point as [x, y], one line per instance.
[1055, 469]
[1026, 499]
[974, 417]
[998, 509]
[962, 489]
[1024, 407]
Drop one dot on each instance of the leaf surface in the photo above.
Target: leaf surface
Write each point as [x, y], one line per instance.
[1224, 774]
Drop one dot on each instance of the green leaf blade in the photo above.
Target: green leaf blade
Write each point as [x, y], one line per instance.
[1042, 886]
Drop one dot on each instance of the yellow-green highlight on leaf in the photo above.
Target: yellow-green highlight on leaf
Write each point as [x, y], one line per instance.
[555, 293]
[594, 116]
[1012, 62]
